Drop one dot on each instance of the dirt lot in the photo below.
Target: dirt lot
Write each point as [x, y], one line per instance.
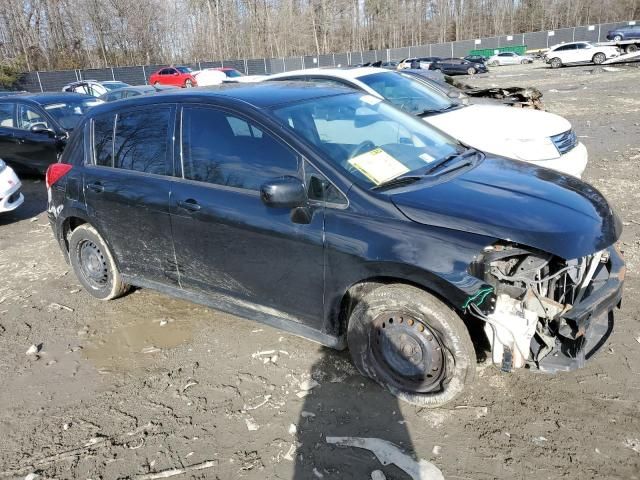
[147, 383]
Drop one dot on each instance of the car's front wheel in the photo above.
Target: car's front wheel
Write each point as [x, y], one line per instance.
[93, 264]
[555, 63]
[412, 344]
[188, 83]
[598, 58]
[471, 71]
[495, 63]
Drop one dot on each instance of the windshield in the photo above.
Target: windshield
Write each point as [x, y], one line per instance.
[69, 112]
[367, 138]
[114, 85]
[232, 73]
[183, 69]
[407, 93]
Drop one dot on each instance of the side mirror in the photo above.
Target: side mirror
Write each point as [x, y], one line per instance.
[41, 128]
[283, 192]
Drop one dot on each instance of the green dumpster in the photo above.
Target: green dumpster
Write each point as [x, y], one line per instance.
[489, 52]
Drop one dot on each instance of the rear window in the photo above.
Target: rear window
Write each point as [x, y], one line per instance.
[135, 140]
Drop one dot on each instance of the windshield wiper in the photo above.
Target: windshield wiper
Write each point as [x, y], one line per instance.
[398, 182]
[454, 156]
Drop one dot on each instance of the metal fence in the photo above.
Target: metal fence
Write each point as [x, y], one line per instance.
[55, 80]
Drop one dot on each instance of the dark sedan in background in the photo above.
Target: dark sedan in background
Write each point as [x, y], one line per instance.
[135, 91]
[458, 66]
[34, 127]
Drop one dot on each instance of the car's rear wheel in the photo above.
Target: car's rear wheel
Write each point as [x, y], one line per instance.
[412, 344]
[188, 83]
[93, 264]
[555, 63]
[524, 61]
[599, 57]
[471, 71]
[617, 38]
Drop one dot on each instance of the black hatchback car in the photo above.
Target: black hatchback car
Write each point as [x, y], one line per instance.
[34, 127]
[333, 215]
[458, 66]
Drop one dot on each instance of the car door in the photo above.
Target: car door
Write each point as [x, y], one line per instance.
[8, 142]
[227, 241]
[126, 189]
[35, 150]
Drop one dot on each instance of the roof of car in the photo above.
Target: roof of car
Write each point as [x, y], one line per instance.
[50, 97]
[346, 73]
[260, 95]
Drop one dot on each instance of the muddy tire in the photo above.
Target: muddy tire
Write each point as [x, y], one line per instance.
[93, 264]
[555, 63]
[412, 344]
[188, 83]
[598, 58]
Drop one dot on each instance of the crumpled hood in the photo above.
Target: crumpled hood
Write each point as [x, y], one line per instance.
[518, 202]
[485, 127]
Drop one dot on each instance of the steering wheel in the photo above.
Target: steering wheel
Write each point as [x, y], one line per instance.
[362, 147]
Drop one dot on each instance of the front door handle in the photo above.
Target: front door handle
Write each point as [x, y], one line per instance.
[189, 204]
[96, 187]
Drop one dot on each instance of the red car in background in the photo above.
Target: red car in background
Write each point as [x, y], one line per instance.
[176, 76]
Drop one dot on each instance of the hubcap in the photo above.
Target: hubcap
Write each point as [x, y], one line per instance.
[93, 264]
[407, 353]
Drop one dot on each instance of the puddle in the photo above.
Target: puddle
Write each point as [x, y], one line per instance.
[137, 344]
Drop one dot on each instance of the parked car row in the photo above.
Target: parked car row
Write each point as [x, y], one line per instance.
[326, 211]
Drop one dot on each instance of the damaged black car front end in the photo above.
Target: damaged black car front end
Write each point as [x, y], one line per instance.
[546, 312]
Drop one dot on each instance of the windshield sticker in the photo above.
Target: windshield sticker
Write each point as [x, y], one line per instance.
[370, 99]
[426, 157]
[378, 166]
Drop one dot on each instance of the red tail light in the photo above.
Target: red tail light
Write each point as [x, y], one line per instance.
[55, 172]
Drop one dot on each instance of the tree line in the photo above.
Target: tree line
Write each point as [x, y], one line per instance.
[64, 34]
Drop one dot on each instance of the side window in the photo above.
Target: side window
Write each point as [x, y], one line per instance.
[320, 189]
[6, 115]
[142, 138]
[28, 116]
[134, 139]
[220, 148]
[103, 140]
[330, 81]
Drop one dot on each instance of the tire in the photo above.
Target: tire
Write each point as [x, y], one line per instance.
[156, 83]
[617, 38]
[599, 57]
[188, 83]
[555, 62]
[93, 264]
[441, 359]
[631, 48]
[471, 71]
[495, 63]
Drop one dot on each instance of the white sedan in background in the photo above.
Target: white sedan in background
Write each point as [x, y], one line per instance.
[509, 58]
[10, 196]
[533, 136]
[579, 52]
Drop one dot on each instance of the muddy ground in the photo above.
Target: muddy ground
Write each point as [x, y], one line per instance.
[146, 383]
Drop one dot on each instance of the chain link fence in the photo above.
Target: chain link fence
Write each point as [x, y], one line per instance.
[137, 75]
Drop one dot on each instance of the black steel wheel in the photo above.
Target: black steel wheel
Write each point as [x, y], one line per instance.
[406, 352]
[412, 344]
[94, 265]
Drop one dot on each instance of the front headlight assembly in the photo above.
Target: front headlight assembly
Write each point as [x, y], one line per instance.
[533, 149]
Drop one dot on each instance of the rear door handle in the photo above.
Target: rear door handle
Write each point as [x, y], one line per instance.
[189, 204]
[96, 187]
